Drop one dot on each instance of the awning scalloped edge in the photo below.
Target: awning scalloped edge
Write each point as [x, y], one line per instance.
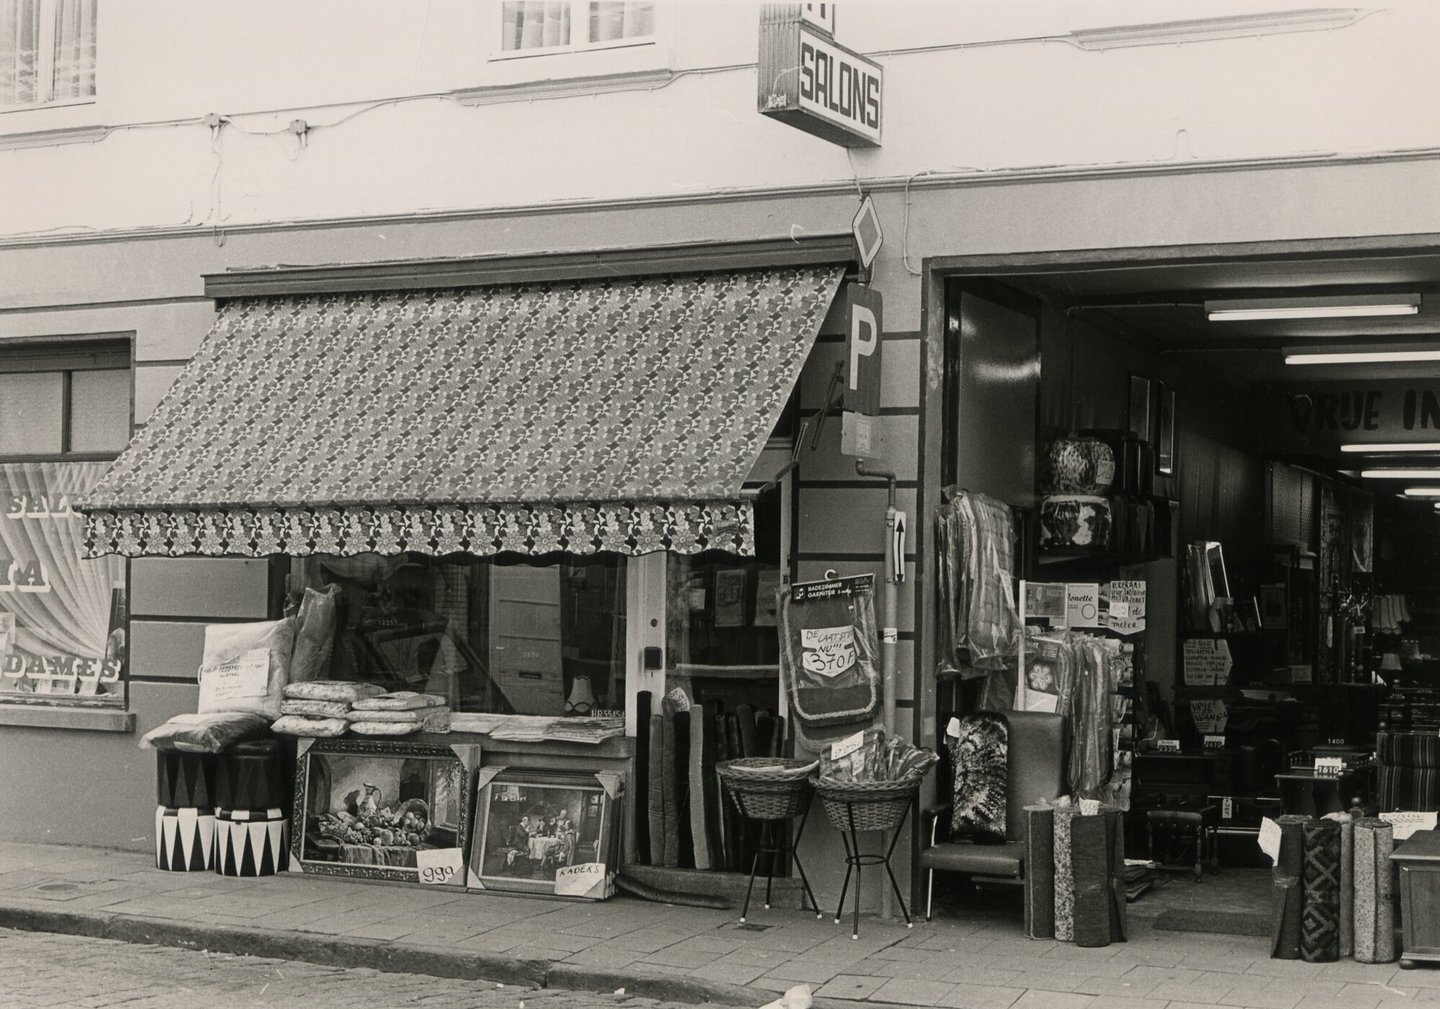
[580, 528]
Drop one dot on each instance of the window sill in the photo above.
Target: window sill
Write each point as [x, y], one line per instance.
[565, 87]
[37, 716]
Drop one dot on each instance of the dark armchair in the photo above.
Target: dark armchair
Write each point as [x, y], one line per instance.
[1037, 757]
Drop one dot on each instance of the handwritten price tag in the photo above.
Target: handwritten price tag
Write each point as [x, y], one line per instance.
[847, 746]
[439, 865]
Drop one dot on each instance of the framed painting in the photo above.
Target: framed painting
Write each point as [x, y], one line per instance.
[546, 832]
[382, 809]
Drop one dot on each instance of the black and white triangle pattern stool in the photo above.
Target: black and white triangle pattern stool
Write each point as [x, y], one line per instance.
[251, 842]
[184, 838]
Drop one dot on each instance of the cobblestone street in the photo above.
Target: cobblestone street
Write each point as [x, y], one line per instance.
[42, 970]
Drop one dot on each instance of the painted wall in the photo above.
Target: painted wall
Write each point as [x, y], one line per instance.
[413, 114]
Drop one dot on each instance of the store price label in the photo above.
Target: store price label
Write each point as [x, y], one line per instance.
[847, 746]
[1407, 822]
[1167, 745]
[1329, 767]
[439, 865]
[584, 880]
[1227, 808]
[1214, 742]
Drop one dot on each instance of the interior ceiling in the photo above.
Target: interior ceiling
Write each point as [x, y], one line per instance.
[1162, 306]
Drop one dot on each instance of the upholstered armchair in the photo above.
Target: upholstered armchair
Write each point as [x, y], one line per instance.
[1037, 755]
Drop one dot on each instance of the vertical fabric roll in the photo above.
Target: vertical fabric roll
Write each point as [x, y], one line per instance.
[642, 777]
[250, 842]
[669, 828]
[184, 838]
[1320, 920]
[1040, 872]
[1347, 883]
[1094, 841]
[1115, 838]
[656, 798]
[1064, 877]
[1287, 907]
[700, 729]
[1374, 891]
[710, 781]
[684, 842]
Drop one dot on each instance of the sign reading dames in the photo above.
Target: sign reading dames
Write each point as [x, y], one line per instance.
[812, 82]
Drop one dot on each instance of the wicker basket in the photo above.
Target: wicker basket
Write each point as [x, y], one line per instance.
[766, 798]
[765, 769]
[867, 805]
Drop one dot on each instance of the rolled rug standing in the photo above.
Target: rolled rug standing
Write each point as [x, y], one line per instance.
[656, 798]
[642, 777]
[1320, 920]
[1374, 891]
[1347, 883]
[1094, 841]
[1064, 877]
[1040, 872]
[700, 729]
[1287, 901]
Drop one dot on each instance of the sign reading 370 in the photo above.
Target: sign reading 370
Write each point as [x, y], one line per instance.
[815, 84]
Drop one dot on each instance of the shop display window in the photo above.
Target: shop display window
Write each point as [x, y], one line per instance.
[490, 636]
[721, 613]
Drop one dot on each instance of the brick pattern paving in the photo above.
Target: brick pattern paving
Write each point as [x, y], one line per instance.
[969, 962]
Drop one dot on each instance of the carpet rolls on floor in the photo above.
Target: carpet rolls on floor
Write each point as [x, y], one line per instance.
[655, 798]
[1287, 904]
[1320, 915]
[1064, 877]
[1040, 872]
[1094, 841]
[1347, 883]
[1374, 891]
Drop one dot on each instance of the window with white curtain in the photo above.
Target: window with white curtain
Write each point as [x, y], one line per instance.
[569, 25]
[47, 52]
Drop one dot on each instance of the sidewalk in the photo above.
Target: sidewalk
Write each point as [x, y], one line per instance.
[969, 961]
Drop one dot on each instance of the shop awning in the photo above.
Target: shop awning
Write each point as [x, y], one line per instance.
[591, 415]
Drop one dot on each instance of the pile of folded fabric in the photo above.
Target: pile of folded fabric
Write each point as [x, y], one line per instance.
[321, 708]
[399, 713]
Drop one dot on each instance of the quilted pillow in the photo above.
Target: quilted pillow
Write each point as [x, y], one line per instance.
[332, 690]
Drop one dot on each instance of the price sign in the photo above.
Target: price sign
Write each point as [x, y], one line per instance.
[847, 746]
[1206, 662]
[1406, 823]
[1329, 767]
[585, 880]
[1227, 808]
[1270, 839]
[1167, 745]
[439, 865]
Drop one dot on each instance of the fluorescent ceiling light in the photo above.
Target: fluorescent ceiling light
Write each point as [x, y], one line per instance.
[1422, 491]
[1345, 306]
[1400, 474]
[1295, 355]
[1392, 446]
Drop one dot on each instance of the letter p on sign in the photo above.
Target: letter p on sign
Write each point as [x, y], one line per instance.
[863, 314]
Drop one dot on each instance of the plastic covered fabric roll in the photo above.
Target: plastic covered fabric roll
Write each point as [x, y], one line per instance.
[1064, 877]
[1374, 892]
[1347, 883]
[1040, 872]
[1287, 901]
[642, 777]
[656, 799]
[1320, 920]
[700, 729]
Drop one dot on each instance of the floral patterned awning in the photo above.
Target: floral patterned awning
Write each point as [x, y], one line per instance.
[585, 416]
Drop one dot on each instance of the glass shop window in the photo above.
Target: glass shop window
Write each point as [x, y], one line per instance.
[541, 26]
[489, 635]
[722, 643]
[47, 52]
[64, 413]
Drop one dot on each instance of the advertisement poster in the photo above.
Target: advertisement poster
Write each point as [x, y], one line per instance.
[1123, 603]
[1206, 662]
[62, 617]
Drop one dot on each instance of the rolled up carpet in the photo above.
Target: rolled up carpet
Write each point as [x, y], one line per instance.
[656, 800]
[1092, 859]
[1064, 877]
[1040, 872]
[1287, 900]
[1320, 915]
[642, 777]
[1374, 892]
[1347, 883]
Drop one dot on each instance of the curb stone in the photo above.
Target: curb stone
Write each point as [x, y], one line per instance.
[393, 957]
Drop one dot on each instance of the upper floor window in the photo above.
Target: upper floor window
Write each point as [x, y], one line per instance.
[567, 25]
[63, 618]
[47, 52]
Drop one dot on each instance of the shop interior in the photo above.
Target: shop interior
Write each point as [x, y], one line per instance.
[1284, 504]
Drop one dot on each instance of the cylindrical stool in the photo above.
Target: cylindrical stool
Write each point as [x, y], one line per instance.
[251, 775]
[184, 838]
[250, 842]
[184, 779]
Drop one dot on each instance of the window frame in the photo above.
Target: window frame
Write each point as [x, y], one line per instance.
[45, 44]
[498, 52]
[105, 352]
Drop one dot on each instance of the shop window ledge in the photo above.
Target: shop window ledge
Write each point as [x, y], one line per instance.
[37, 716]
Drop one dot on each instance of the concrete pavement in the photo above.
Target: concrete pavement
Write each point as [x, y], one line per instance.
[974, 958]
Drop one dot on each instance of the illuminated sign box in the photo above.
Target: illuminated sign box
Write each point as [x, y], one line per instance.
[813, 83]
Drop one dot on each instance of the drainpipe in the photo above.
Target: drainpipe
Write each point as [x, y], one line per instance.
[890, 600]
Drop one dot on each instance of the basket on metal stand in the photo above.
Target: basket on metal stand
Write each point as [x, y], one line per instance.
[771, 790]
[853, 806]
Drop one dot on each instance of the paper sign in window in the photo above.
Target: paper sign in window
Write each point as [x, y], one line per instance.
[828, 651]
